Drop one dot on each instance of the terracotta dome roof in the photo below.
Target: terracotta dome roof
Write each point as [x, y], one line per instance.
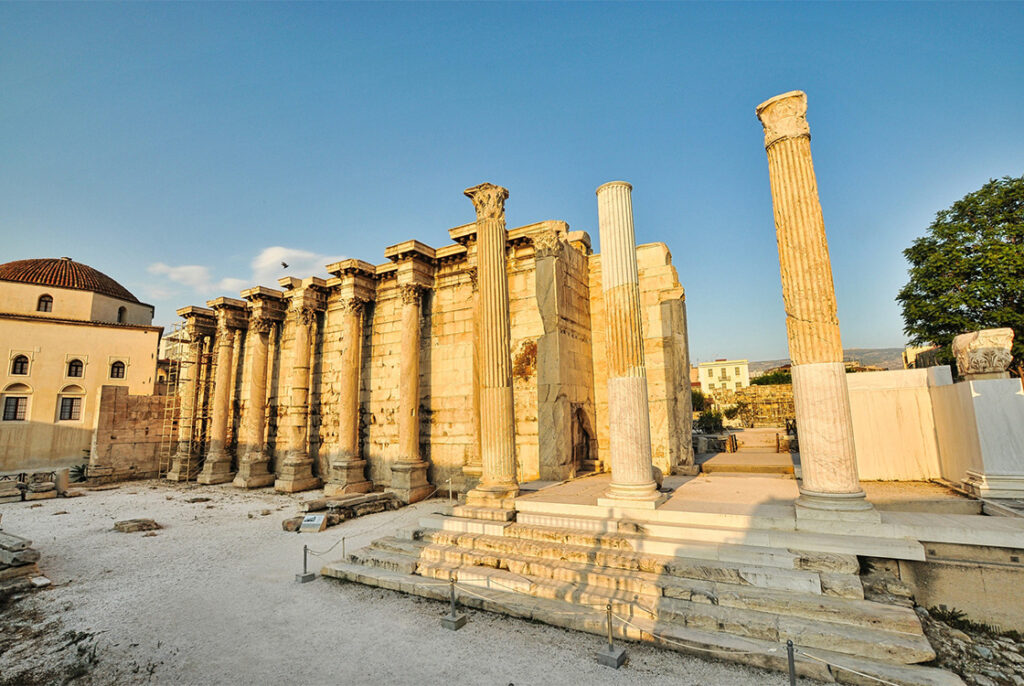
[63, 272]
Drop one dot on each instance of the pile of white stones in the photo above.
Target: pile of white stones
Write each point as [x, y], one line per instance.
[18, 568]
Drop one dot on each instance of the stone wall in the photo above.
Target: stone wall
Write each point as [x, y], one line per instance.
[557, 331]
[759, 406]
[129, 434]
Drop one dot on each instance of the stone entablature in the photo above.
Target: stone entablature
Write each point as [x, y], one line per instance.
[555, 311]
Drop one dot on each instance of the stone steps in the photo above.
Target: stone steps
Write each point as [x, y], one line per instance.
[789, 579]
[847, 638]
[731, 529]
[755, 652]
[855, 612]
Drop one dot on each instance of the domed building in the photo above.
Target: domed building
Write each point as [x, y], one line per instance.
[66, 330]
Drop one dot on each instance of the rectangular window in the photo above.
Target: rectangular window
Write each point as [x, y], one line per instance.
[737, 371]
[70, 408]
[14, 409]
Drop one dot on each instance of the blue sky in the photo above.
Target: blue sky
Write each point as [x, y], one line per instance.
[185, 149]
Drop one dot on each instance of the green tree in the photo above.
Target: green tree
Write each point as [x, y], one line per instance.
[967, 273]
[698, 400]
[782, 376]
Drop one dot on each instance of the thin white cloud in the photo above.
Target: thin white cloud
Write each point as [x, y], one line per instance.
[267, 267]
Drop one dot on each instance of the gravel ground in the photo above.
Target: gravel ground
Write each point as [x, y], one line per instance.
[211, 599]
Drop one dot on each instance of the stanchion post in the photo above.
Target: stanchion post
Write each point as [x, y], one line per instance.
[306, 575]
[610, 656]
[453, 620]
[792, 663]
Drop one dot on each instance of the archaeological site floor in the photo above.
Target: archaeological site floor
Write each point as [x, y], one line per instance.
[211, 599]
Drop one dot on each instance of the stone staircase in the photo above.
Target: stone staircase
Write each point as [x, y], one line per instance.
[698, 593]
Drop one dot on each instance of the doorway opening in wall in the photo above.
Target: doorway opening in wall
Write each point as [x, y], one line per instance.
[584, 461]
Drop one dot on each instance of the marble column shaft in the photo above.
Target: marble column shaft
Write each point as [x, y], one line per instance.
[221, 395]
[253, 464]
[409, 383]
[497, 408]
[298, 401]
[827, 452]
[351, 363]
[188, 375]
[628, 411]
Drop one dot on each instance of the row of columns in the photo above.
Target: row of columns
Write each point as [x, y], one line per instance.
[830, 479]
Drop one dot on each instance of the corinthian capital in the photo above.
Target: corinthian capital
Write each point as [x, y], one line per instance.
[784, 116]
[489, 201]
[305, 315]
[410, 293]
[260, 323]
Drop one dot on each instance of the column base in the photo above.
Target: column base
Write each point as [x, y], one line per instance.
[179, 471]
[296, 476]
[643, 496]
[347, 476]
[253, 473]
[849, 507]
[497, 496]
[994, 485]
[216, 470]
[409, 482]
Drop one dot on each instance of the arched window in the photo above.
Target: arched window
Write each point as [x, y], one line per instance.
[19, 365]
[15, 402]
[122, 315]
[117, 370]
[69, 403]
[45, 304]
[75, 368]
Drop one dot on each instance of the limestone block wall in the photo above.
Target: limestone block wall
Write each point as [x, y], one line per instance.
[666, 355]
[130, 430]
[556, 341]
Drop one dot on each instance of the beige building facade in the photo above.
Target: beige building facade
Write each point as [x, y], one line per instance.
[66, 330]
[378, 374]
[723, 375]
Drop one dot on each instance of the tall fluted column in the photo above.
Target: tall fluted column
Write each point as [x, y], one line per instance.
[497, 408]
[182, 464]
[217, 467]
[347, 468]
[629, 415]
[409, 471]
[253, 463]
[827, 454]
[296, 472]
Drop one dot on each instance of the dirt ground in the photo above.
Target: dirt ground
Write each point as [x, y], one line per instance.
[211, 599]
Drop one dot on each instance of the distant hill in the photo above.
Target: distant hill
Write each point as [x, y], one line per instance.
[890, 358]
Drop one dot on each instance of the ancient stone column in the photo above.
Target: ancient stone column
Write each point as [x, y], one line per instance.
[347, 468]
[827, 455]
[409, 470]
[217, 467]
[497, 409]
[253, 464]
[296, 471]
[182, 464]
[629, 420]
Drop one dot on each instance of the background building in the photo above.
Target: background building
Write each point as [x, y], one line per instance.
[66, 329]
[723, 375]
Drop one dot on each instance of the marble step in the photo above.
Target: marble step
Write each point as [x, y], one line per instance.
[856, 612]
[464, 524]
[830, 667]
[493, 514]
[878, 644]
[724, 551]
[628, 560]
[730, 529]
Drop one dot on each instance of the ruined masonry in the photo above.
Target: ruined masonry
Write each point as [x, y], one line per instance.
[481, 365]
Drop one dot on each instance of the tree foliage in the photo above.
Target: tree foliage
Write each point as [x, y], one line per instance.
[781, 376]
[698, 400]
[967, 273]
